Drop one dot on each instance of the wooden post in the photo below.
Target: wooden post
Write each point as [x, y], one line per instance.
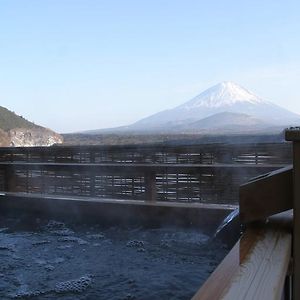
[296, 249]
[92, 184]
[92, 156]
[10, 179]
[293, 134]
[150, 186]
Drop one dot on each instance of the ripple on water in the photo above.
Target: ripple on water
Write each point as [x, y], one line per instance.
[126, 263]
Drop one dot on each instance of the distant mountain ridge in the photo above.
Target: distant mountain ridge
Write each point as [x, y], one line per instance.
[17, 131]
[227, 120]
[226, 104]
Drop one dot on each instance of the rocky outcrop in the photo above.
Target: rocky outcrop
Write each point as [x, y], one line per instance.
[4, 139]
[30, 137]
[16, 131]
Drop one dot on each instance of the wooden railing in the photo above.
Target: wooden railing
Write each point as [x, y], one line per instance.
[269, 153]
[217, 183]
[205, 173]
[265, 262]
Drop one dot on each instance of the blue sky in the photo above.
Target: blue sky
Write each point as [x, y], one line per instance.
[81, 64]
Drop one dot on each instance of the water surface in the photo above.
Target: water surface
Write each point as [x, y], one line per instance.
[48, 259]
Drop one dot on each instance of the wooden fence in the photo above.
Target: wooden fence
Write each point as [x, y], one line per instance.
[268, 153]
[204, 173]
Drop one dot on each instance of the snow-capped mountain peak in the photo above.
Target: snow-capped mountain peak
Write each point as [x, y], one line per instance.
[226, 100]
[226, 93]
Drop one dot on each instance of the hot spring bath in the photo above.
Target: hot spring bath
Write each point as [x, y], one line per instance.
[47, 259]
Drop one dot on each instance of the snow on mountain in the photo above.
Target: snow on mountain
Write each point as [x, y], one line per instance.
[224, 97]
[226, 93]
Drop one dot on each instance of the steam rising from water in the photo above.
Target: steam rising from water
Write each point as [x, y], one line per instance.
[51, 259]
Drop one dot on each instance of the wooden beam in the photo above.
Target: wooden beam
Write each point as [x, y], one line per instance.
[296, 241]
[293, 134]
[150, 186]
[266, 195]
[227, 208]
[10, 179]
[254, 269]
[219, 281]
[141, 168]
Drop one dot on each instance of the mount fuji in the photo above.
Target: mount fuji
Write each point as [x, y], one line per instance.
[225, 105]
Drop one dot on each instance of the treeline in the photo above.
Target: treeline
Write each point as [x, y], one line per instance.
[180, 139]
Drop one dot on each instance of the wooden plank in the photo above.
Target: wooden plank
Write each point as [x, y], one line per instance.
[209, 153]
[296, 205]
[150, 186]
[158, 168]
[262, 274]
[282, 220]
[293, 134]
[227, 208]
[9, 179]
[254, 269]
[219, 281]
[266, 195]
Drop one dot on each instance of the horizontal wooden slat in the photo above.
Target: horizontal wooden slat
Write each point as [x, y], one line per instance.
[157, 153]
[225, 207]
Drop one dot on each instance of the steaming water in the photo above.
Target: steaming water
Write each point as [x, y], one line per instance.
[47, 259]
[227, 221]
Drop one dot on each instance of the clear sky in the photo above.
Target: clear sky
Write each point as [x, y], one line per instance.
[86, 64]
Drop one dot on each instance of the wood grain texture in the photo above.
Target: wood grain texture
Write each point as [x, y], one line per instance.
[266, 195]
[254, 269]
[220, 279]
[246, 153]
[262, 274]
[296, 204]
